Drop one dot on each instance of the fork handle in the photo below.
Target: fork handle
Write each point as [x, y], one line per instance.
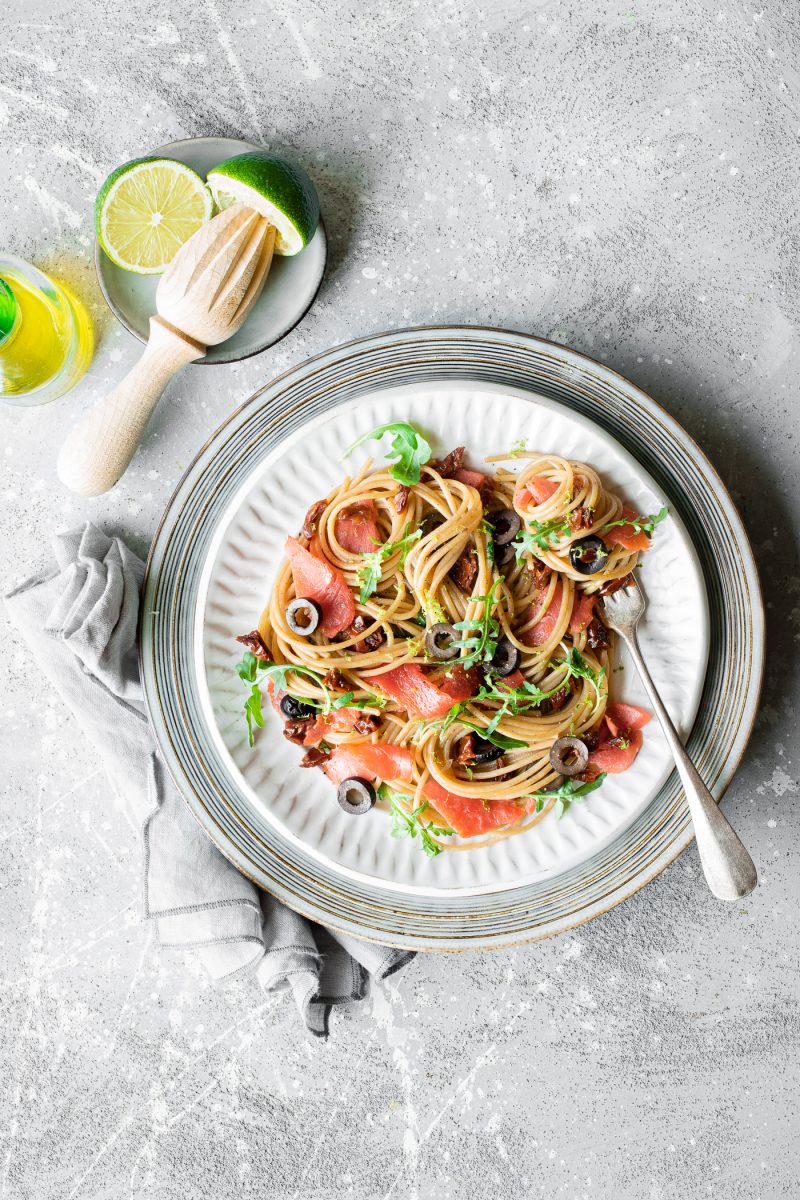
[729, 869]
[100, 447]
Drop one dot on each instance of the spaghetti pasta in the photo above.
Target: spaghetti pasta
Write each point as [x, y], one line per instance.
[458, 641]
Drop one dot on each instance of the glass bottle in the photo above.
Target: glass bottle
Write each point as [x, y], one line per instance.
[46, 338]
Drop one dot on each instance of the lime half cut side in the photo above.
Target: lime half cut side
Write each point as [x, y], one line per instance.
[279, 190]
[147, 209]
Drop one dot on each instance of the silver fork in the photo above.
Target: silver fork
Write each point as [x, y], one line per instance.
[729, 869]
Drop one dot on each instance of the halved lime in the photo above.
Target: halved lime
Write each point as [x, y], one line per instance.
[279, 190]
[146, 210]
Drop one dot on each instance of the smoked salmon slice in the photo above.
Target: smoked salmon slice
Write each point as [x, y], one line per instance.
[621, 717]
[613, 758]
[341, 720]
[621, 740]
[474, 479]
[512, 681]
[542, 631]
[626, 536]
[469, 816]
[420, 696]
[378, 760]
[357, 529]
[535, 491]
[457, 683]
[582, 612]
[315, 579]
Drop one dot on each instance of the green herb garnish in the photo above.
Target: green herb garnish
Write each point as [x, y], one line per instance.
[496, 739]
[482, 632]
[570, 790]
[250, 667]
[518, 447]
[405, 824]
[487, 528]
[515, 701]
[540, 536]
[253, 713]
[639, 524]
[409, 449]
[369, 574]
[578, 665]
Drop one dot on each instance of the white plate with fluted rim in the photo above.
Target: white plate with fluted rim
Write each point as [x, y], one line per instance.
[239, 571]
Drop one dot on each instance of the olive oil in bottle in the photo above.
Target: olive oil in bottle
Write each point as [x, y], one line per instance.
[46, 338]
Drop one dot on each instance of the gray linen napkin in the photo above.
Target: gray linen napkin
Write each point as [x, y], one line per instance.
[80, 622]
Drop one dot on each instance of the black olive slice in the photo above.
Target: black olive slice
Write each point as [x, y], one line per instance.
[440, 642]
[569, 756]
[303, 616]
[506, 525]
[295, 709]
[504, 555]
[356, 796]
[505, 659]
[484, 752]
[588, 555]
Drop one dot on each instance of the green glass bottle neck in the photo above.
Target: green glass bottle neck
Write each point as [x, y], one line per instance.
[9, 311]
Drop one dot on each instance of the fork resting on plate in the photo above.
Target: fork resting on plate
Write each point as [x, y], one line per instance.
[729, 869]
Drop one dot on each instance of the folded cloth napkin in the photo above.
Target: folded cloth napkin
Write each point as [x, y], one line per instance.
[80, 622]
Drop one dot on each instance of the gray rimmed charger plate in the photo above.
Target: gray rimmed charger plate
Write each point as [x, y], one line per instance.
[292, 283]
[168, 629]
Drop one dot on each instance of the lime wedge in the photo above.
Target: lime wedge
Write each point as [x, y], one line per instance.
[146, 210]
[281, 191]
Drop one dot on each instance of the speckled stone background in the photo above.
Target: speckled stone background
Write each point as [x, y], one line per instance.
[622, 177]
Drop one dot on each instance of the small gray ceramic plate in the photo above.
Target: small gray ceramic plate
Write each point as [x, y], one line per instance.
[290, 290]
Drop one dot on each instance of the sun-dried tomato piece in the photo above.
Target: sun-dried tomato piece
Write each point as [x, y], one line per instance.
[581, 518]
[597, 636]
[473, 750]
[295, 731]
[401, 498]
[335, 679]
[373, 641]
[367, 723]
[255, 643]
[557, 701]
[539, 574]
[464, 571]
[312, 518]
[447, 466]
[314, 757]
[614, 585]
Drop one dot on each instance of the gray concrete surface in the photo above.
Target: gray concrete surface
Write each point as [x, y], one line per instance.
[620, 176]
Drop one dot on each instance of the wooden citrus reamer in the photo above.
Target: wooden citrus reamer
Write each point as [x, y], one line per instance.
[203, 297]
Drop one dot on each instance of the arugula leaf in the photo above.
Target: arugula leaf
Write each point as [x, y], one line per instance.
[570, 790]
[247, 668]
[578, 665]
[253, 713]
[487, 528]
[409, 448]
[514, 701]
[483, 632]
[540, 535]
[405, 824]
[369, 574]
[497, 739]
[639, 524]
